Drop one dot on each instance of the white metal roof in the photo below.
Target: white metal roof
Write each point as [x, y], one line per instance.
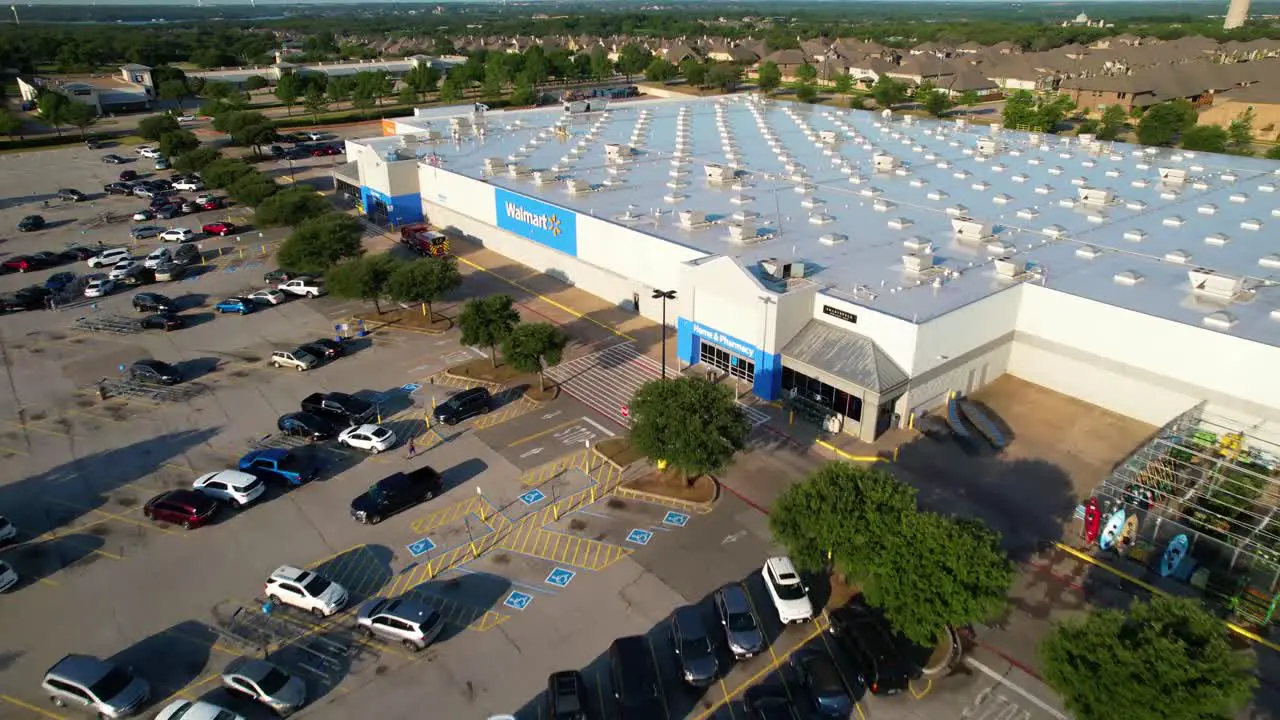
[804, 183]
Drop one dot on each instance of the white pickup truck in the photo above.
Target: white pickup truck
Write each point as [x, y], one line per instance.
[304, 286]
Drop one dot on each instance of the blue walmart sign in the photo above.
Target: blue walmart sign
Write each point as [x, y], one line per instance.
[540, 222]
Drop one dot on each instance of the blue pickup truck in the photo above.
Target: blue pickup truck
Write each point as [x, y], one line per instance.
[280, 464]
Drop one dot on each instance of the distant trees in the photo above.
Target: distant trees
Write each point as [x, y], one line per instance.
[769, 77]
[888, 92]
[660, 70]
[1043, 113]
[1162, 124]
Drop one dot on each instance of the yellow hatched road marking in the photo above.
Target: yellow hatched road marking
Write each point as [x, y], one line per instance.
[510, 412]
[562, 548]
[453, 513]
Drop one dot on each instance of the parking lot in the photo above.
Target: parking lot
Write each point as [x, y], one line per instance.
[533, 558]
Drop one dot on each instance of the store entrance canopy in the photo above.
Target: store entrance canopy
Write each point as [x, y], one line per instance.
[846, 355]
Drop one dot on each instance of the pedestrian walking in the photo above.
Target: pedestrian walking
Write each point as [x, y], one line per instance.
[412, 449]
[102, 389]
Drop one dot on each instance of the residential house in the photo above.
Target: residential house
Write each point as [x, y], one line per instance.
[918, 68]
[866, 71]
[932, 48]
[969, 80]
[787, 61]
[815, 51]
[970, 48]
[677, 52]
[1019, 72]
[1261, 99]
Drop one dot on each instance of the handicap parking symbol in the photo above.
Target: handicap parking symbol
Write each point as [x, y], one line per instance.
[639, 536]
[410, 387]
[560, 577]
[518, 600]
[421, 547]
[532, 497]
[675, 518]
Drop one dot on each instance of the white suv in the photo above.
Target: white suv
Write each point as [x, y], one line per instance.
[230, 486]
[305, 590]
[188, 184]
[110, 256]
[149, 152]
[786, 589]
[178, 235]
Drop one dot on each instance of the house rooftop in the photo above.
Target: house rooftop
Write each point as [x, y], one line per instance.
[914, 218]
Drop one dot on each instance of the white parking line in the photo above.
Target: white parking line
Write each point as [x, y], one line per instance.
[1012, 686]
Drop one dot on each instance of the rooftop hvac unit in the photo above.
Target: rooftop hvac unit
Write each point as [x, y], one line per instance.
[541, 177]
[616, 151]
[777, 269]
[1094, 196]
[988, 146]
[718, 173]
[917, 263]
[918, 245]
[1271, 262]
[1221, 320]
[1007, 267]
[517, 170]
[1211, 284]
[1173, 175]
[576, 187]
[1127, 277]
[692, 218]
[1086, 138]
[828, 136]
[997, 247]
[1088, 252]
[1181, 257]
[493, 164]
[967, 228]
[743, 232]
[962, 123]
[836, 238]
[884, 163]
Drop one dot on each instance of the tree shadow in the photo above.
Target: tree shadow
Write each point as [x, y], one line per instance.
[463, 472]
[38, 560]
[170, 659]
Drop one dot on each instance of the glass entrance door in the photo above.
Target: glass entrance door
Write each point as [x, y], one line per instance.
[718, 357]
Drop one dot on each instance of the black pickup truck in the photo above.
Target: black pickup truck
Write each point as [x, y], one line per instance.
[340, 406]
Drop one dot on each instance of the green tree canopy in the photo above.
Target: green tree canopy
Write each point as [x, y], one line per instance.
[255, 82]
[363, 278]
[524, 94]
[1168, 659]
[936, 102]
[841, 514]
[601, 65]
[1205, 138]
[488, 322]
[694, 72]
[534, 347]
[424, 281]
[1042, 113]
[1112, 122]
[221, 173]
[290, 206]
[319, 243]
[10, 124]
[696, 426]
[423, 78]
[888, 92]
[725, 76]
[843, 83]
[80, 116]
[315, 103]
[633, 59]
[806, 73]
[54, 108]
[806, 92]
[1239, 134]
[172, 90]
[659, 70]
[253, 188]
[196, 160]
[769, 77]
[969, 98]
[451, 90]
[151, 128]
[288, 90]
[178, 142]
[1162, 124]
[1273, 152]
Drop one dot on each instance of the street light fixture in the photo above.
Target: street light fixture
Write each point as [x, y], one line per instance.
[664, 296]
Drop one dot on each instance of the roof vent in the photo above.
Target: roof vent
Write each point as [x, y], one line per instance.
[1209, 283]
[832, 239]
[900, 223]
[1007, 267]
[820, 219]
[1056, 170]
[675, 197]
[938, 195]
[917, 263]
[1216, 239]
[943, 165]
[1220, 320]
[1020, 177]
[960, 174]
[1173, 221]
[1002, 199]
[718, 173]
[981, 186]
[1271, 262]
[999, 167]
[517, 170]
[1200, 185]
[744, 232]
[1080, 181]
[812, 202]
[1228, 177]
[988, 146]
[1267, 188]
[870, 192]
[1028, 213]
[1135, 235]
[1112, 173]
[741, 199]
[1135, 205]
[1207, 209]
[1088, 252]
[918, 244]
[1067, 203]
[576, 187]
[918, 182]
[1044, 189]
[966, 228]
[884, 163]
[1000, 248]
[958, 210]
[692, 218]
[883, 206]
[543, 178]
[1251, 224]
[1128, 278]
[1180, 257]
[1140, 183]
[1175, 176]
[1094, 196]
[1239, 198]
[1168, 194]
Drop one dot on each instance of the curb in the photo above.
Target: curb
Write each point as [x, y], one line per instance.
[540, 403]
[953, 656]
[701, 508]
[401, 328]
[476, 383]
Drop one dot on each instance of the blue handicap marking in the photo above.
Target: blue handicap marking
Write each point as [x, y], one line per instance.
[677, 519]
[532, 497]
[518, 600]
[639, 536]
[560, 577]
[253, 264]
[421, 547]
[410, 387]
[230, 268]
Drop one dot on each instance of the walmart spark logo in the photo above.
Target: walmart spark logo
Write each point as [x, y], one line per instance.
[550, 223]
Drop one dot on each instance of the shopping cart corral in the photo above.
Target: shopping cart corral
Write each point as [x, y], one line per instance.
[108, 388]
[116, 324]
[325, 653]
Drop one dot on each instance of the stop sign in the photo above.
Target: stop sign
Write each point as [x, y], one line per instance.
[626, 411]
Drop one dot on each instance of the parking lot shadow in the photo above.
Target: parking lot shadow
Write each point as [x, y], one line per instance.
[195, 319]
[388, 402]
[363, 570]
[35, 561]
[59, 498]
[171, 659]
[196, 368]
[190, 301]
[462, 599]
[463, 471]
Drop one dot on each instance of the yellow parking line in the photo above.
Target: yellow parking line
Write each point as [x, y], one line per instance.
[32, 708]
[661, 690]
[772, 653]
[818, 629]
[327, 558]
[539, 434]
[724, 692]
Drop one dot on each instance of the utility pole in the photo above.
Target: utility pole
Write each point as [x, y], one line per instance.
[14, 8]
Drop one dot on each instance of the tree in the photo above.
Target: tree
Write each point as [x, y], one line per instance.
[80, 116]
[936, 102]
[1168, 659]
[633, 59]
[219, 90]
[888, 92]
[407, 95]
[534, 347]
[1111, 123]
[1273, 153]
[691, 424]
[939, 571]
[1162, 123]
[841, 514]
[1206, 138]
[253, 188]
[424, 281]
[601, 65]
[288, 90]
[659, 70]
[290, 206]
[769, 77]
[174, 90]
[423, 78]
[319, 243]
[315, 103]
[806, 92]
[196, 160]
[255, 82]
[53, 109]
[843, 83]
[363, 278]
[524, 94]
[362, 99]
[1019, 110]
[1024, 110]
[151, 128]
[178, 142]
[536, 65]
[724, 76]
[694, 72]
[969, 98]
[251, 129]
[806, 73]
[488, 321]
[451, 90]
[9, 123]
[338, 88]
[1240, 134]
[223, 172]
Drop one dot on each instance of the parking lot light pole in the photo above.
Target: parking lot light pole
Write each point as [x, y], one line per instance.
[664, 296]
[292, 180]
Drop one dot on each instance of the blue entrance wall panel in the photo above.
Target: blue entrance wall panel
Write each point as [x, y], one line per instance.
[543, 223]
[401, 209]
[768, 378]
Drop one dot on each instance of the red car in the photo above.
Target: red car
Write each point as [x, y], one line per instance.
[188, 508]
[219, 228]
[213, 204]
[22, 263]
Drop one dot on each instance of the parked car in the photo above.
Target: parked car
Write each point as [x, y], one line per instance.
[741, 628]
[305, 590]
[787, 591]
[212, 204]
[305, 424]
[145, 191]
[8, 531]
[77, 252]
[691, 641]
[166, 321]
[30, 223]
[139, 276]
[230, 486]
[168, 211]
[168, 272]
[767, 702]
[634, 679]
[865, 636]
[162, 163]
[88, 683]
[187, 508]
[152, 302]
[566, 696]
[462, 405]
[406, 620]
[824, 683]
[275, 277]
[141, 232]
[59, 281]
[147, 151]
[186, 118]
[297, 358]
[124, 268]
[71, 195]
[373, 439]
[268, 297]
[324, 348]
[186, 254]
[143, 215]
[290, 467]
[153, 372]
[156, 257]
[188, 184]
[22, 263]
[128, 175]
[178, 235]
[197, 710]
[394, 493]
[190, 206]
[110, 256]
[305, 286]
[235, 305]
[118, 188]
[344, 408]
[99, 287]
[218, 228]
[8, 576]
[28, 298]
[113, 159]
[265, 683]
